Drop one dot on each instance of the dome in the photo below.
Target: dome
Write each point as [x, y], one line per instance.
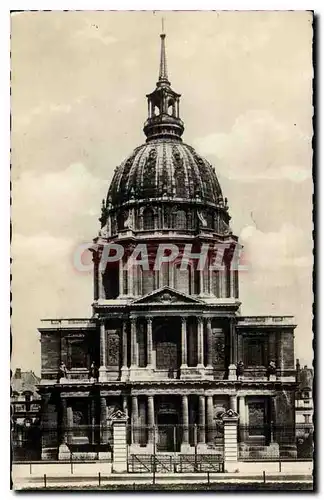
[164, 168]
[164, 185]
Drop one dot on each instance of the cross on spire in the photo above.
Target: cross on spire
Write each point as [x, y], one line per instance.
[163, 75]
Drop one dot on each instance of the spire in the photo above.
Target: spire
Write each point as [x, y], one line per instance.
[163, 105]
[163, 75]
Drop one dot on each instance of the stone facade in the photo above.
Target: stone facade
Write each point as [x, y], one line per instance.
[168, 345]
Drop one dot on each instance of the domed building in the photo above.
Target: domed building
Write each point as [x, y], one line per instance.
[166, 344]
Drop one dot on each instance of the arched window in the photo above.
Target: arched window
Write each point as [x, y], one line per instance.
[180, 219]
[156, 111]
[148, 219]
[210, 219]
[171, 108]
[121, 221]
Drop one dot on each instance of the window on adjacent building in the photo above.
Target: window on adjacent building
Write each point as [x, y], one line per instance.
[306, 417]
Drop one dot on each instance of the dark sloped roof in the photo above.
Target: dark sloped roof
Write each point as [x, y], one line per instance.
[164, 168]
[26, 382]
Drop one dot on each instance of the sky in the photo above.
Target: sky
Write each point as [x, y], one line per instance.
[78, 105]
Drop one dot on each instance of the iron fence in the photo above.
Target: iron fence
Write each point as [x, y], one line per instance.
[83, 442]
[93, 442]
[275, 442]
[171, 437]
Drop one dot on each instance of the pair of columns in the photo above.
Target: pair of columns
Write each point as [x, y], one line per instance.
[200, 342]
[67, 420]
[151, 361]
[150, 419]
[204, 401]
[135, 347]
[201, 437]
[184, 343]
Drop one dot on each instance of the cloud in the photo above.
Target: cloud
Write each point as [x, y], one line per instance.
[60, 201]
[45, 284]
[260, 147]
[275, 250]
[94, 32]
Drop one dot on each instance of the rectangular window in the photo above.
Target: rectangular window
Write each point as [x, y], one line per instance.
[306, 417]
[77, 354]
[255, 351]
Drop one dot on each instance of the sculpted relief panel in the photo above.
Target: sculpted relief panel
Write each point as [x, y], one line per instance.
[113, 348]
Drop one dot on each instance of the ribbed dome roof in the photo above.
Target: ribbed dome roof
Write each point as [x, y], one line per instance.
[164, 168]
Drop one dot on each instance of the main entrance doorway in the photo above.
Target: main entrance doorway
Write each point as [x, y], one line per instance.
[168, 432]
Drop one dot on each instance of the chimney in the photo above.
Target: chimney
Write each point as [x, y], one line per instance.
[297, 371]
[18, 373]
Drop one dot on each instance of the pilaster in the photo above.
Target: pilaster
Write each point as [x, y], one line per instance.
[103, 353]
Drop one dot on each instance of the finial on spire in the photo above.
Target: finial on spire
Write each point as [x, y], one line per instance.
[163, 75]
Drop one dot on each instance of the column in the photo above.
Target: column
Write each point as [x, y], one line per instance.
[103, 352]
[233, 402]
[149, 342]
[242, 414]
[124, 327]
[121, 278]
[200, 342]
[185, 420]
[202, 420]
[150, 418]
[64, 420]
[171, 274]
[103, 420]
[101, 288]
[210, 419]
[102, 344]
[209, 344]
[69, 423]
[92, 419]
[125, 405]
[201, 282]
[134, 347]
[233, 343]
[130, 280]
[134, 420]
[64, 451]
[184, 361]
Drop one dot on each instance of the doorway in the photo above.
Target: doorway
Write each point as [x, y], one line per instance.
[168, 432]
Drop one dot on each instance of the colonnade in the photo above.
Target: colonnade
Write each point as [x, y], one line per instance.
[203, 325]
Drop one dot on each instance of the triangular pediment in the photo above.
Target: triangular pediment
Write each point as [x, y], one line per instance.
[167, 295]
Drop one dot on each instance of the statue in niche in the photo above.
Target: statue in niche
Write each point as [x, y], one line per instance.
[272, 368]
[62, 371]
[240, 369]
[93, 371]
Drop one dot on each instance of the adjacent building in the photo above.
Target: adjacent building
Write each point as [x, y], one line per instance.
[25, 414]
[167, 344]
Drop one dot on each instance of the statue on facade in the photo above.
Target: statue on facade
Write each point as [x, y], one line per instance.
[62, 372]
[272, 368]
[93, 371]
[240, 369]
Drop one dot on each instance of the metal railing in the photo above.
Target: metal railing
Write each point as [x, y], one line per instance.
[170, 437]
[275, 442]
[83, 442]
